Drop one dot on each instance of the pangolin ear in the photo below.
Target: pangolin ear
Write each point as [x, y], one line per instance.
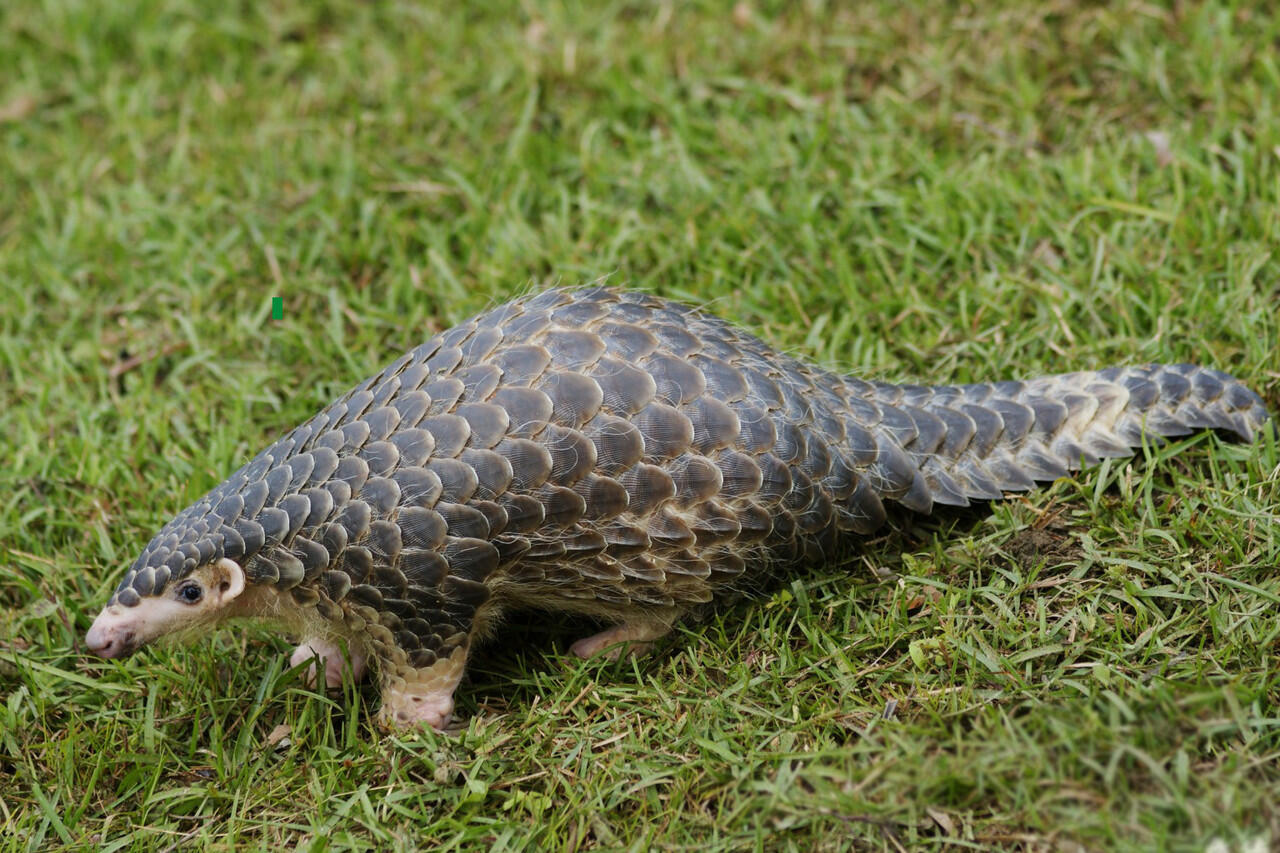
[228, 577]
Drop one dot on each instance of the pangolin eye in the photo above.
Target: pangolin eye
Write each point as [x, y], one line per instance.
[191, 593]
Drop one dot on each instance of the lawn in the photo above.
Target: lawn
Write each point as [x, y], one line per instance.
[924, 191]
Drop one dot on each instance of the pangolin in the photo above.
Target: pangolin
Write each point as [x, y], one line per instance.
[608, 453]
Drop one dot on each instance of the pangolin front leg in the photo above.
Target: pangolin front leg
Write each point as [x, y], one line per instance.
[333, 659]
[419, 649]
[421, 694]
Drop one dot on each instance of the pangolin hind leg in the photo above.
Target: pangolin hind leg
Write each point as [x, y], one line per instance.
[631, 638]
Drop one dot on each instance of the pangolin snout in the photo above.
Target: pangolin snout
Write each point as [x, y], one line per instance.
[110, 637]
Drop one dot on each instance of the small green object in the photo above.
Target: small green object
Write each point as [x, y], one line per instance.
[277, 308]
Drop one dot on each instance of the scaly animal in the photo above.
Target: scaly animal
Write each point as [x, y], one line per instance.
[606, 453]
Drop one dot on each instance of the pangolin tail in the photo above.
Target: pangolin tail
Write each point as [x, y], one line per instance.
[979, 441]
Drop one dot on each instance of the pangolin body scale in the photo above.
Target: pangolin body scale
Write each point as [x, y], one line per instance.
[620, 455]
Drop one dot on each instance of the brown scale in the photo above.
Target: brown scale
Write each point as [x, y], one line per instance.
[618, 455]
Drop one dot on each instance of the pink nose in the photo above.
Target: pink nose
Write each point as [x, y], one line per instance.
[109, 641]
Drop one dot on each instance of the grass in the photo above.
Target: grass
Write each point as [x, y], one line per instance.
[940, 192]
